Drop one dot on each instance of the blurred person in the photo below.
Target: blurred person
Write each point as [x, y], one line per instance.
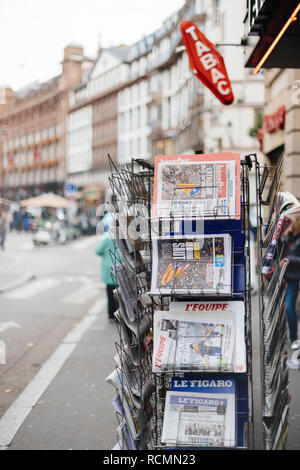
[292, 277]
[3, 229]
[26, 221]
[105, 247]
[18, 221]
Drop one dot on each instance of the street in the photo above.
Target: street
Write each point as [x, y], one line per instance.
[60, 348]
[71, 406]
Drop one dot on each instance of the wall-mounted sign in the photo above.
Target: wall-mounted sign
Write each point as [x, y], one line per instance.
[276, 121]
[206, 62]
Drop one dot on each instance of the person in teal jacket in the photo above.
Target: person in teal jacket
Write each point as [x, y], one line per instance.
[104, 249]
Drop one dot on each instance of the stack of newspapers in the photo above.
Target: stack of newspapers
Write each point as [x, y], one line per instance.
[202, 330]
[131, 378]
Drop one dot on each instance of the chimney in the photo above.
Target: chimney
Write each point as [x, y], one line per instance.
[72, 66]
[6, 97]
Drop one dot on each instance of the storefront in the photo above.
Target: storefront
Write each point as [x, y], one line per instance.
[273, 33]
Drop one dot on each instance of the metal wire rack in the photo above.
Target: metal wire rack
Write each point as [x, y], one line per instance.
[273, 399]
[132, 188]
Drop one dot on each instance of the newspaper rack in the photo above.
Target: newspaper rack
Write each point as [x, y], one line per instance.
[274, 398]
[133, 187]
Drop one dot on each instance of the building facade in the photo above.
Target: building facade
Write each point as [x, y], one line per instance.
[94, 109]
[146, 101]
[134, 101]
[33, 131]
[264, 21]
[231, 128]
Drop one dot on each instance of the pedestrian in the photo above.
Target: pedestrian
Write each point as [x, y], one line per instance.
[104, 249]
[3, 229]
[26, 221]
[292, 277]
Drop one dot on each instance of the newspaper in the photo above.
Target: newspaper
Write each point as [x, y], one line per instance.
[125, 438]
[221, 310]
[202, 341]
[132, 413]
[286, 204]
[137, 376]
[127, 292]
[137, 338]
[198, 264]
[277, 293]
[282, 225]
[206, 185]
[196, 419]
[129, 286]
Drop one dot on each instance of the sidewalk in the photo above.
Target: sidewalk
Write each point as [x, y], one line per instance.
[68, 404]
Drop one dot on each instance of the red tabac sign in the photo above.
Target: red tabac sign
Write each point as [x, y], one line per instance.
[206, 62]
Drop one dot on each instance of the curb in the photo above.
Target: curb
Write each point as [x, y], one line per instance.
[20, 282]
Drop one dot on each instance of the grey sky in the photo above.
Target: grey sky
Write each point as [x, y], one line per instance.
[33, 33]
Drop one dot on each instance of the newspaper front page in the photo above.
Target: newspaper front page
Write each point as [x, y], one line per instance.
[199, 419]
[233, 310]
[206, 185]
[192, 264]
[185, 342]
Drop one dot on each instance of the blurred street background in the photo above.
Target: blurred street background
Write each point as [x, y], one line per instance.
[50, 291]
[84, 88]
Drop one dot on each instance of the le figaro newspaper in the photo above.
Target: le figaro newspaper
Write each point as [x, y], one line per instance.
[201, 336]
[206, 185]
[200, 412]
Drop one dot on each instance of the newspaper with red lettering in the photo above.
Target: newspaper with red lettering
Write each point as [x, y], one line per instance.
[200, 336]
[199, 264]
[205, 186]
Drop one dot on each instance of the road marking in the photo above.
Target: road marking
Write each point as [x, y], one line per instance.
[35, 287]
[16, 414]
[81, 295]
[8, 324]
[96, 308]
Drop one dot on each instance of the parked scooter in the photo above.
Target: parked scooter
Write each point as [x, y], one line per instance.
[47, 235]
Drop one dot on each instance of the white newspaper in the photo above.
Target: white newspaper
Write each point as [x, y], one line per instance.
[199, 419]
[205, 341]
[132, 415]
[199, 264]
[219, 310]
[206, 185]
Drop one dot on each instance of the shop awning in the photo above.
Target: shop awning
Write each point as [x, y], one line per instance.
[46, 200]
[265, 25]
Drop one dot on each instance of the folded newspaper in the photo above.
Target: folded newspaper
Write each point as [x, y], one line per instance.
[198, 264]
[206, 185]
[132, 414]
[200, 414]
[137, 376]
[285, 204]
[200, 336]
